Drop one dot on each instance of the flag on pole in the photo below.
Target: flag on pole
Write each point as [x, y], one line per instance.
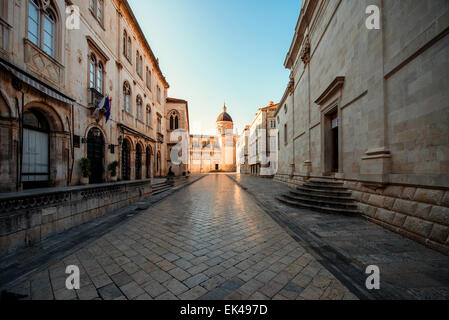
[99, 107]
[107, 107]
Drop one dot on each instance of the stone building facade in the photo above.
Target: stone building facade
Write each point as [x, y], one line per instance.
[243, 152]
[260, 141]
[177, 115]
[370, 107]
[53, 77]
[215, 153]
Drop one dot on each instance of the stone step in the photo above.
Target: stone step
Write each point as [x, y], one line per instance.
[307, 189]
[320, 203]
[159, 184]
[160, 188]
[324, 181]
[328, 210]
[322, 197]
[325, 186]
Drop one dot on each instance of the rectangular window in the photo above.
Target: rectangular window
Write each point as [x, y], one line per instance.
[49, 35]
[92, 74]
[279, 141]
[158, 94]
[285, 135]
[33, 23]
[148, 117]
[100, 11]
[139, 112]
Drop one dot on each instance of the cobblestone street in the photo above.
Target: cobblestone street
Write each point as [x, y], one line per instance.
[208, 241]
[347, 245]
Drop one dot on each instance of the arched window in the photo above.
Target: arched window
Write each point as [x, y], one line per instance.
[126, 97]
[174, 121]
[139, 103]
[42, 27]
[125, 43]
[137, 61]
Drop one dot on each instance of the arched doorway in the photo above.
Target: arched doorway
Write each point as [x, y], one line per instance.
[95, 153]
[158, 164]
[138, 162]
[36, 150]
[148, 161]
[126, 159]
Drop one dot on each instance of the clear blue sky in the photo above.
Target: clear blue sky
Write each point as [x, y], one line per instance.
[213, 51]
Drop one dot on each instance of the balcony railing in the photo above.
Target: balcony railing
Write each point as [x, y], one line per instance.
[95, 98]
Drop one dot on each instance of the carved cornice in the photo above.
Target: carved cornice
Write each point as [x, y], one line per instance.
[336, 85]
[97, 48]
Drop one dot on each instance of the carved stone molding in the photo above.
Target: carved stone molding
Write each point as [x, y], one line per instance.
[305, 52]
[331, 90]
[42, 65]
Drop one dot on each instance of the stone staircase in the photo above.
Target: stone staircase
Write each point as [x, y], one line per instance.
[325, 196]
[160, 187]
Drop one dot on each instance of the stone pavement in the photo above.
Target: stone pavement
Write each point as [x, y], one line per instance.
[347, 245]
[209, 240]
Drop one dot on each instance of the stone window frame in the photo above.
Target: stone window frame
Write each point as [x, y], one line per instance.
[42, 11]
[127, 94]
[101, 60]
[139, 107]
[158, 94]
[148, 115]
[174, 119]
[96, 7]
[285, 134]
[127, 46]
[139, 64]
[148, 78]
[98, 64]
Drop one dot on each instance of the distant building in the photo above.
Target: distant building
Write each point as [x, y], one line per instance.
[215, 153]
[177, 117]
[260, 144]
[242, 152]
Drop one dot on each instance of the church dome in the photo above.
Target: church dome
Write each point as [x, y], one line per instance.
[224, 116]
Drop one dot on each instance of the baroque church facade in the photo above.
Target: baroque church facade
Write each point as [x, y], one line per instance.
[215, 153]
